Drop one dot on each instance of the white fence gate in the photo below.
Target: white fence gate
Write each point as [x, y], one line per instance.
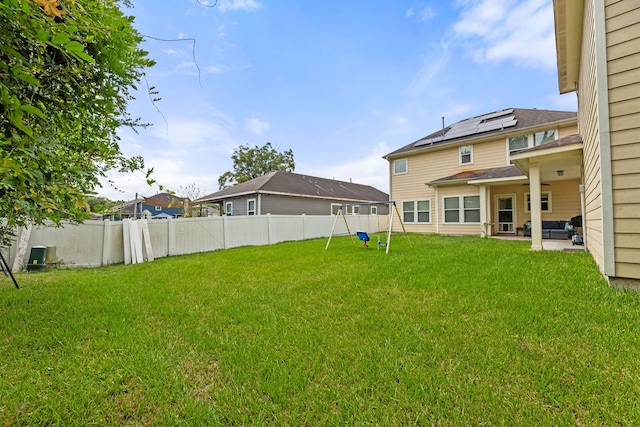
[98, 243]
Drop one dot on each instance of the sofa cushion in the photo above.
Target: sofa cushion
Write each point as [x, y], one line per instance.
[552, 225]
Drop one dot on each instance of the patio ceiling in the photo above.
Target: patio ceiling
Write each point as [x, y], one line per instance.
[560, 160]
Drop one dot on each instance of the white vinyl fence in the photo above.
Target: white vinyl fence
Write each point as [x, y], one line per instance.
[98, 243]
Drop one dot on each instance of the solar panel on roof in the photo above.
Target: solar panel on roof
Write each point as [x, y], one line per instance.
[485, 123]
[497, 114]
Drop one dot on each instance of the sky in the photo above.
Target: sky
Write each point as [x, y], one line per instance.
[341, 84]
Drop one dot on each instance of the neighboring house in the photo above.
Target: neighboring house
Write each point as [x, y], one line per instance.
[598, 53]
[287, 193]
[160, 206]
[460, 180]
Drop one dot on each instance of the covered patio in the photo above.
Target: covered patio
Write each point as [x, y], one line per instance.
[560, 159]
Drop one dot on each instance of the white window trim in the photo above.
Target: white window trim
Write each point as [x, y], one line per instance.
[415, 211]
[255, 206]
[406, 162]
[527, 202]
[460, 209]
[158, 208]
[460, 162]
[336, 205]
[374, 210]
[228, 209]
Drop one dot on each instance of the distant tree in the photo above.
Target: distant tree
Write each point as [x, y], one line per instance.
[252, 162]
[191, 191]
[67, 72]
[100, 204]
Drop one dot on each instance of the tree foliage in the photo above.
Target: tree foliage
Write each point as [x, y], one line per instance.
[252, 162]
[67, 71]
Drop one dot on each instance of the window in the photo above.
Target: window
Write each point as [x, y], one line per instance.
[518, 143]
[374, 210]
[462, 209]
[251, 207]
[400, 166]
[424, 211]
[466, 154]
[521, 142]
[335, 208]
[158, 208]
[407, 211]
[228, 208]
[416, 211]
[540, 138]
[545, 201]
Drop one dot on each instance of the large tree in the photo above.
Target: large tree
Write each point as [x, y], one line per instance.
[67, 72]
[252, 162]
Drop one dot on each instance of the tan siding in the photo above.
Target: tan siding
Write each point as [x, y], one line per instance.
[625, 225]
[625, 166]
[628, 121]
[622, 50]
[626, 211]
[623, 93]
[618, 37]
[622, 137]
[621, 108]
[627, 256]
[630, 181]
[621, 79]
[626, 240]
[617, 8]
[623, 54]
[622, 20]
[588, 123]
[628, 270]
[626, 196]
[568, 130]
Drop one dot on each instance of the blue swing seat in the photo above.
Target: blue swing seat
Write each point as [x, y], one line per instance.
[362, 235]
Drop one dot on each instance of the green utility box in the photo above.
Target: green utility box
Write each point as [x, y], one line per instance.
[36, 258]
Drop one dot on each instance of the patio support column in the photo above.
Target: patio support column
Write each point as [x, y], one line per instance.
[536, 208]
[485, 229]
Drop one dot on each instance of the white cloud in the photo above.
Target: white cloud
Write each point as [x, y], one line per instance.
[187, 134]
[500, 30]
[246, 5]
[401, 121]
[257, 127]
[429, 69]
[425, 14]
[370, 169]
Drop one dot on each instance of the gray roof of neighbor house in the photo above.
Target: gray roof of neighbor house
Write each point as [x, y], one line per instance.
[165, 200]
[507, 121]
[293, 184]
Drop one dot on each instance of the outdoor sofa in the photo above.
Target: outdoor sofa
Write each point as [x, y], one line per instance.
[552, 229]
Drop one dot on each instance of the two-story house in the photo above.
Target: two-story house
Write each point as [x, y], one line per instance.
[474, 178]
[460, 180]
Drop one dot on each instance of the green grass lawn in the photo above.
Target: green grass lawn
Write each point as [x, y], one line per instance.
[456, 331]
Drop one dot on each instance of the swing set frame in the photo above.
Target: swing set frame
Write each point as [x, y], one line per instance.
[392, 208]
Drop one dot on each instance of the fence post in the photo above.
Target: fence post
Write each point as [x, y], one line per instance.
[304, 227]
[224, 232]
[170, 237]
[269, 239]
[106, 242]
